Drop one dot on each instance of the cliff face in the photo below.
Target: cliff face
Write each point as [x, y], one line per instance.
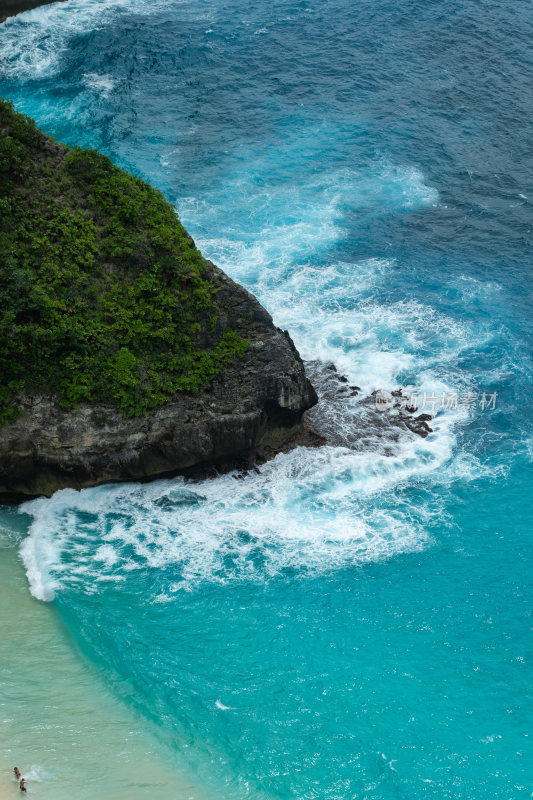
[256, 401]
[124, 354]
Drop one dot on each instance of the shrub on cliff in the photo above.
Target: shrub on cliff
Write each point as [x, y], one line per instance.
[103, 295]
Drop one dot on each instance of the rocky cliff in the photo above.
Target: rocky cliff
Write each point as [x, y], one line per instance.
[124, 354]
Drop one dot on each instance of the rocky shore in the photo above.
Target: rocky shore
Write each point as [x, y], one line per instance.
[250, 411]
[125, 355]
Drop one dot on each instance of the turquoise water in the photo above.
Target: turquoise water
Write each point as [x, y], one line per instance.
[354, 621]
[66, 731]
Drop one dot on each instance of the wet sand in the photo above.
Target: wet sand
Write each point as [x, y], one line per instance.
[59, 720]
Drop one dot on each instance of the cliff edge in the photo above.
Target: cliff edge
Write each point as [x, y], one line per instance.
[124, 354]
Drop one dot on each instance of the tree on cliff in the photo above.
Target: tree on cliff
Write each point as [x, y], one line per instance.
[103, 295]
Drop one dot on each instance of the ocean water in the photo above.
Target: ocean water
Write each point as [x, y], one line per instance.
[352, 621]
[67, 732]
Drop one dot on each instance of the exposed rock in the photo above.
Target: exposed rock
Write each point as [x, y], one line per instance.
[395, 410]
[9, 8]
[372, 423]
[254, 405]
[124, 354]
[418, 424]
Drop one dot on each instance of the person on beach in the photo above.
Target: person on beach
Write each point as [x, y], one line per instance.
[21, 784]
[16, 770]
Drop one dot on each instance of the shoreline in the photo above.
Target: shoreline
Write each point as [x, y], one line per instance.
[13, 7]
[60, 752]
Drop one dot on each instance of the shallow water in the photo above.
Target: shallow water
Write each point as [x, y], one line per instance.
[60, 724]
[352, 621]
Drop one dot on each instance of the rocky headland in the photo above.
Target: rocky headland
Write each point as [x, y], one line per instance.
[125, 355]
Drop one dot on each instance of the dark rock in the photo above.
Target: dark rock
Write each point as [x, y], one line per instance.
[252, 409]
[418, 425]
[9, 8]
[393, 412]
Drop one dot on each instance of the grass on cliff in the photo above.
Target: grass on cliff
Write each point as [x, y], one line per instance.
[103, 296]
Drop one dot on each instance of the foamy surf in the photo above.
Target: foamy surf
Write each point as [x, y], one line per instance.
[32, 43]
[102, 84]
[311, 510]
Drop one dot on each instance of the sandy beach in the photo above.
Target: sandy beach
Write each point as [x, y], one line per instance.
[8, 788]
[59, 721]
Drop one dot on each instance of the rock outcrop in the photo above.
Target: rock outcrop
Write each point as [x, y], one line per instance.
[124, 354]
[256, 402]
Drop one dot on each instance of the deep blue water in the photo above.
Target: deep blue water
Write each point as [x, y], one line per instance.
[348, 623]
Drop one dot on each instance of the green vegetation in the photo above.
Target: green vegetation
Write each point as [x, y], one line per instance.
[103, 296]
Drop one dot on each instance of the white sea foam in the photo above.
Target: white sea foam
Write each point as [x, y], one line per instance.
[308, 510]
[32, 43]
[472, 289]
[527, 444]
[37, 773]
[292, 220]
[334, 316]
[102, 84]
[329, 309]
